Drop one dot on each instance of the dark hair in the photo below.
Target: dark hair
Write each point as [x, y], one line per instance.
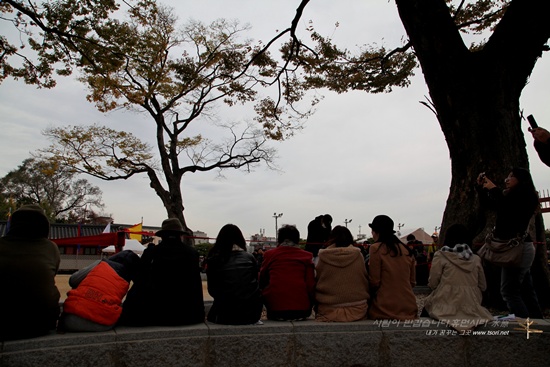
[411, 237]
[228, 236]
[525, 187]
[327, 219]
[457, 234]
[340, 237]
[288, 232]
[391, 242]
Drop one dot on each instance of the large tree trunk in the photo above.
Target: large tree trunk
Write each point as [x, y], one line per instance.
[476, 97]
[172, 201]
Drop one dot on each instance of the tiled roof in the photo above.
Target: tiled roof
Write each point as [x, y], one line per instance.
[61, 230]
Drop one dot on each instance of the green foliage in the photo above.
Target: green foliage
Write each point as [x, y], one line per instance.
[374, 68]
[67, 27]
[176, 76]
[203, 248]
[99, 151]
[477, 16]
[51, 185]
[129, 60]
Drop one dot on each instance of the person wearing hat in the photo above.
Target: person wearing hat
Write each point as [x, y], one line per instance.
[28, 264]
[167, 289]
[391, 274]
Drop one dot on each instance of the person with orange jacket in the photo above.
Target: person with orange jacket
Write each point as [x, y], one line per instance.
[95, 302]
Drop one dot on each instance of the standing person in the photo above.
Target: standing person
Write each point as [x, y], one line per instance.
[342, 288]
[167, 288]
[28, 264]
[392, 274]
[95, 301]
[542, 144]
[233, 280]
[287, 278]
[417, 249]
[457, 280]
[259, 257]
[514, 206]
[318, 231]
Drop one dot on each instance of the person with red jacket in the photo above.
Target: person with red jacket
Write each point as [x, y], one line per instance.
[287, 278]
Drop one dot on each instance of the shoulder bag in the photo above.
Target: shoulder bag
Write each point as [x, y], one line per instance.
[507, 253]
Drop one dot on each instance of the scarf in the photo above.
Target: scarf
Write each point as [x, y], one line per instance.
[462, 250]
[288, 243]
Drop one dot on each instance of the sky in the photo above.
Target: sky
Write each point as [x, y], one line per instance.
[358, 156]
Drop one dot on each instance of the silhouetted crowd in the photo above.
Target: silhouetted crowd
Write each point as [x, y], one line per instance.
[332, 279]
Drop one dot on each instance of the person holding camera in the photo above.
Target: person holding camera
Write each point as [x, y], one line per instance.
[542, 143]
[514, 206]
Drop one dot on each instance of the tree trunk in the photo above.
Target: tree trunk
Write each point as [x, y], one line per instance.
[476, 97]
[173, 202]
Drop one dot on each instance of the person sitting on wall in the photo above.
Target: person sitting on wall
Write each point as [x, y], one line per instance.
[342, 289]
[95, 302]
[391, 274]
[233, 280]
[287, 278]
[167, 289]
[28, 265]
[457, 280]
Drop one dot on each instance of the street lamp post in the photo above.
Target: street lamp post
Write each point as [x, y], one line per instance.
[276, 216]
[347, 221]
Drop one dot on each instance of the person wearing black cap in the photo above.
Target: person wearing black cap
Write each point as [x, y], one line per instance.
[167, 288]
[391, 274]
[28, 264]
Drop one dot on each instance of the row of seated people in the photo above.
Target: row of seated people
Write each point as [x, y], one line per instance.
[167, 287]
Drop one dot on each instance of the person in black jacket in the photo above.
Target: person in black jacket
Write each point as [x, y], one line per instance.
[167, 288]
[232, 275]
[28, 264]
[514, 206]
[318, 231]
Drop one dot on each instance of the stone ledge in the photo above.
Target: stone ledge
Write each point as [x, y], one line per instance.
[302, 343]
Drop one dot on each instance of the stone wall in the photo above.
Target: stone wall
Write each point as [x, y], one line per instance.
[305, 343]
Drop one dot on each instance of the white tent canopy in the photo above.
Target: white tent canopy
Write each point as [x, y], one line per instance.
[419, 234]
[133, 245]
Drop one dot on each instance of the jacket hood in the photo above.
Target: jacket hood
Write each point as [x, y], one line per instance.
[125, 263]
[465, 265]
[340, 257]
[29, 221]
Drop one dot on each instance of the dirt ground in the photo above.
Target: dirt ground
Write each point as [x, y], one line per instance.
[62, 283]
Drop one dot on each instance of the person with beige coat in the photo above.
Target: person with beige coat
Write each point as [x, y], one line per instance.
[391, 274]
[457, 280]
[342, 288]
